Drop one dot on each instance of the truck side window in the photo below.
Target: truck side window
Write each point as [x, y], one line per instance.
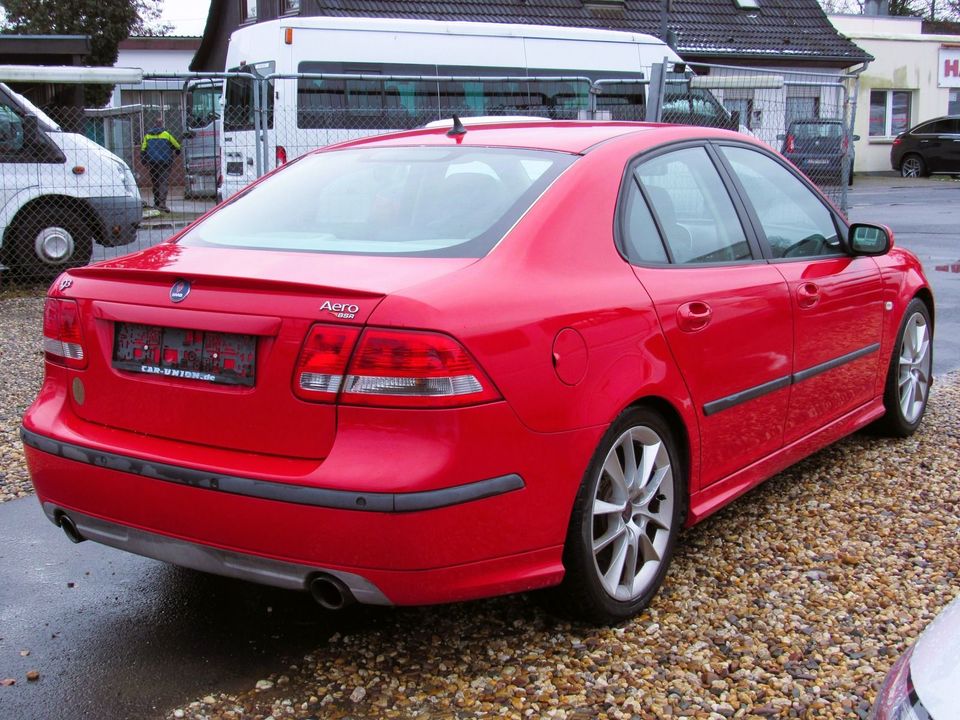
[11, 129]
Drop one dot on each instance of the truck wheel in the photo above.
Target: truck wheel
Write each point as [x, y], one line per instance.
[50, 241]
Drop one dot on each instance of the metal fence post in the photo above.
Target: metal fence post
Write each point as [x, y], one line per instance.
[258, 138]
[658, 82]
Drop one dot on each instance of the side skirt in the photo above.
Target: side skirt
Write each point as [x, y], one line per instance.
[710, 499]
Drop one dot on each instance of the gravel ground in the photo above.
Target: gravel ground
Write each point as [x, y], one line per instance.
[21, 357]
[792, 602]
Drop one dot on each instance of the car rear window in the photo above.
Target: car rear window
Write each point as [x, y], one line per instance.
[818, 130]
[421, 201]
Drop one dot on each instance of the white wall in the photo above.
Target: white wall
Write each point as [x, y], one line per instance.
[905, 60]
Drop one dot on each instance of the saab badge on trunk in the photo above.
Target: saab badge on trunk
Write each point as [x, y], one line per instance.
[179, 291]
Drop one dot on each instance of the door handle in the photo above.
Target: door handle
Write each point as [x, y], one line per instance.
[808, 295]
[694, 316]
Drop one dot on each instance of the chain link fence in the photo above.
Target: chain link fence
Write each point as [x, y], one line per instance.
[79, 185]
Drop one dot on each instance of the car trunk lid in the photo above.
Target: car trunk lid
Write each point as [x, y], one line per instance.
[200, 346]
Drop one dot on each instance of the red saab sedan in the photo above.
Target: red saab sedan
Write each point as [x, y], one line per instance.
[440, 365]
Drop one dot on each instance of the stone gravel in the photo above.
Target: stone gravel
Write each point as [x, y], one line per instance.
[21, 357]
[792, 602]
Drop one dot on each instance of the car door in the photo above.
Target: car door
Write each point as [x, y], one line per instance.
[933, 143]
[837, 299]
[724, 311]
[951, 146]
[17, 154]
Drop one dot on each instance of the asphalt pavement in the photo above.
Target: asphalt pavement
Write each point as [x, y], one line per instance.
[119, 637]
[924, 214]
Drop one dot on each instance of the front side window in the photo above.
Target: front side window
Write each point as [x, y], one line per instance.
[889, 112]
[795, 222]
[692, 207]
[11, 129]
[419, 201]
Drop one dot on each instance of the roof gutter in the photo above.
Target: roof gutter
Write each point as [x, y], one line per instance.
[689, 54]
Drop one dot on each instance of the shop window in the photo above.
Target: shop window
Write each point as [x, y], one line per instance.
[744, 109]
[802, 108]
[889, 112]
[953, 104]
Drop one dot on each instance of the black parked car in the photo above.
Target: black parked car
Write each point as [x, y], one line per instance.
[930, 147]
[818, 147]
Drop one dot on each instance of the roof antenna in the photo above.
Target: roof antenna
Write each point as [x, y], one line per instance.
[458, 128]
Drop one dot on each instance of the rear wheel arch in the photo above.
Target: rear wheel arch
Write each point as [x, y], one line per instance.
[671, 415]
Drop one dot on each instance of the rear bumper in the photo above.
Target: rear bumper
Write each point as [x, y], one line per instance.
[209, 559]
[416, 543]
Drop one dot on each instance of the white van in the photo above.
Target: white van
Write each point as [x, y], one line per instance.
[302, 114]
[59, 193]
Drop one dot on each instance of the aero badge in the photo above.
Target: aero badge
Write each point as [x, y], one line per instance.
[179, 291]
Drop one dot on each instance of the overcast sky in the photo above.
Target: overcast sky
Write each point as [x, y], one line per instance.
[186, 16]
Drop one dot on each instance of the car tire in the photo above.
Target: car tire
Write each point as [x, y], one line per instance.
[619, 522]
[909, 375]
[913, 166]
[50, 240]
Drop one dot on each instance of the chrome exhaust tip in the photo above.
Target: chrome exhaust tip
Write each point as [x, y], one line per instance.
[330, 592]
[70, 529]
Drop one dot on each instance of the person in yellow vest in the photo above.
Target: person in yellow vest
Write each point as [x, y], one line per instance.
[158, 150]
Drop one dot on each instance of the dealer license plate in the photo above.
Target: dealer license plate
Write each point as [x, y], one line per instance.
[213, 357]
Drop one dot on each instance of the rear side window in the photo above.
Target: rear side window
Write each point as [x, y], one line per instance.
[693, 208]
[422, 201]
[795, 222]
[642, 243]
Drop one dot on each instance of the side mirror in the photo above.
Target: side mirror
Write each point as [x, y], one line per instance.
[856, 137]
[187, 134]
[865, 239]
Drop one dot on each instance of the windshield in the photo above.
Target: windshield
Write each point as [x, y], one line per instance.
[423, 201]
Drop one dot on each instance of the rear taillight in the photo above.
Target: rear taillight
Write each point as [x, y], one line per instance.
[281, 155]
[790, 144]
[897, 140]
[323, 362]
[402, 368]
[62, 334]
[845, 144]
[389, 368]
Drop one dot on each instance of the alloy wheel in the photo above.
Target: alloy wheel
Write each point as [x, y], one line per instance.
[632, 513]
[914, 367]
[911, 167]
